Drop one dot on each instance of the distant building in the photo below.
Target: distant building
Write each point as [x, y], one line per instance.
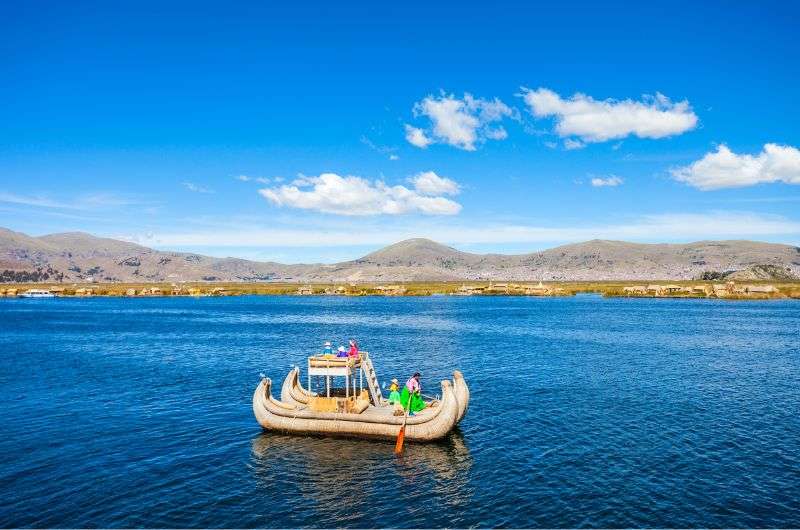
[498, 288]
[635, 289]
[537, 290]
[469, 290]
[391, 290]
[760, 289]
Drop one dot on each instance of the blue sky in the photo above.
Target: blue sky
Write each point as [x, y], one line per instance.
[320, 132]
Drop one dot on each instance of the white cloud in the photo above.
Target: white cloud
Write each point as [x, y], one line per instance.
[462, 123]
[416, 136]
[243, 178]
[429, 183]
[571, 145]
[598, 121]
[85, 202]
[650, 228]
[726, 169]
[382, 149]
[351, 195]
[611, 181]
[191, 186]
[38, 201]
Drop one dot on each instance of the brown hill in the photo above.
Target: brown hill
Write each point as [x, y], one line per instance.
[80, 257]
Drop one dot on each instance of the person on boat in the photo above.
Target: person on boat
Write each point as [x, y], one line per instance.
[341, 352]
[327, 349]
[394, 398]
[411, 397]
[353, 352]
[394, 392]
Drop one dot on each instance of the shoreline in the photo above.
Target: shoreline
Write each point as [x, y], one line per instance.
[750, 290]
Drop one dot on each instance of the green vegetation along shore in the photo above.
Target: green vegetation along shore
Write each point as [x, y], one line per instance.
[662, 289]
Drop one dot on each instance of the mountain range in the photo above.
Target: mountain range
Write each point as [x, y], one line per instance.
[80, 257]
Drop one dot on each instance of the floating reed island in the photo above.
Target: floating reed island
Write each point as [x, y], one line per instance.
[660, 289]
[358, 408]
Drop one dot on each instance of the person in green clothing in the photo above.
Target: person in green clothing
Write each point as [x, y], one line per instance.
[394, 392]
[412, 392]
[394, 398]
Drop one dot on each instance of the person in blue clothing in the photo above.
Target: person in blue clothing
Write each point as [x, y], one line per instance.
[341, 352]
[327, 349]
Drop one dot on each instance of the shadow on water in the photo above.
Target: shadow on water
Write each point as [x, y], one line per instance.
[335, 477]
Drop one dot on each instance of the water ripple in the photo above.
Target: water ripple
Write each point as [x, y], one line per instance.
[586, 412]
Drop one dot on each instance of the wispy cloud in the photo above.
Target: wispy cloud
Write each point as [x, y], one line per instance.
[610, 181]
[648, 228]
[260, 180]
[726, 169]
[571, 144]
[83, 202]
[461, 122]
[357, 196]
[388, 151]
[35, 200]
[592, 120]
[196, 188]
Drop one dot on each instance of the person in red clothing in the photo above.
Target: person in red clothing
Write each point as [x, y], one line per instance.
[353, 349]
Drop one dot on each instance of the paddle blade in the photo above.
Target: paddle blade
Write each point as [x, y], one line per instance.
[398, 446]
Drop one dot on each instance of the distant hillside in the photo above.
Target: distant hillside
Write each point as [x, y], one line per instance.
[79, 257]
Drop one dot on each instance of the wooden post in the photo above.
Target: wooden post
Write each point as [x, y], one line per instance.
[346, 383]
[328, 385]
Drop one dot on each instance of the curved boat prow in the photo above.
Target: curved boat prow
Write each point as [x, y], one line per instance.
[462, 394]
[292, 391]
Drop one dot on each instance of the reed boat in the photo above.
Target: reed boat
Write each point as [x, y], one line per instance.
[365, 414]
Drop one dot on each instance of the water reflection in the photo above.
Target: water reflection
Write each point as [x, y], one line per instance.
[346, 479]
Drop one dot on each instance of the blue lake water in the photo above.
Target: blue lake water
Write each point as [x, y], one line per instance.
[585, 412]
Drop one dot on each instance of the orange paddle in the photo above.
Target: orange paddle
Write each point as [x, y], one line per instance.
[398, 446]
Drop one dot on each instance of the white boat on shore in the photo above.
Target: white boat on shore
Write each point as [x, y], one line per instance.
[37, 293]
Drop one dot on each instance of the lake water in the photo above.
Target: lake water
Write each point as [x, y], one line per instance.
[585, 412]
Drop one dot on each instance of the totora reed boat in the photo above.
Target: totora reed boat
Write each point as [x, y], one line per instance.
[360, 413]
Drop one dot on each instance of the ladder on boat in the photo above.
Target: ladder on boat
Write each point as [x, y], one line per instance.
[372, 379]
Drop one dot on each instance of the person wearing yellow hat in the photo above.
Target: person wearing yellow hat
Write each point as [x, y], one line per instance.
[394, 397]
[394, 391]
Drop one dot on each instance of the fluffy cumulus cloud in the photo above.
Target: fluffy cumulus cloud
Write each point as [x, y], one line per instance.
[352, 195]
[462, 123]
[611, 181]
[417, 137]
[591, 120]
[726, 169]
[429, 183]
